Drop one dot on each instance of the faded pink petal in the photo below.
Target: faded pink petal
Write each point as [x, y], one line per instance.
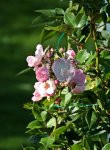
[39, 50]
[50, 87]
[42, 74]
[36, 97]
[71, 54]
[31, 60]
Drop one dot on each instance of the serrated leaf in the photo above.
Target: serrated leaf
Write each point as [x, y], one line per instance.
[51, 123]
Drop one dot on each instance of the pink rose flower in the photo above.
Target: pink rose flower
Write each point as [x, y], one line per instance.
[42, 74]
[71, 54]
[45, 88]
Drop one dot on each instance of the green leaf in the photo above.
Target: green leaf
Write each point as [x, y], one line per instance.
[47, 12]
[105, 34]
[81, 19]
[44, 115]
[69, 19]
[106, 147]
[82, 56]
[51, 123]
[47, 141]
[34, 125]
[74, 116]
[46, 35]
[90, 45]
[64, 91]
[59, 11]
[60, 130]
[67, 98]
[91, 118]
[24, 71]
[28, 106]
[90, 59]
[76, 147]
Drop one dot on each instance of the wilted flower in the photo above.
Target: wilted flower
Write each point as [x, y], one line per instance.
[78, 81]
[42, 74]
[63, 70]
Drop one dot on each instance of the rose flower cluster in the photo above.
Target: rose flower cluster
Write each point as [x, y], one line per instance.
[52, 71]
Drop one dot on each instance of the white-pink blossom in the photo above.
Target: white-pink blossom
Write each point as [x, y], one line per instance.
[71, 54]
[42, 74]
[34, 61]
[45, 88]
[36, 96]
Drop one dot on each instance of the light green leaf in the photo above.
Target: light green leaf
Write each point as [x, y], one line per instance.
[69, 19]
[51, 123]
[105, 34]
[76, 147]
[82, 56]
[67, 98]
[34, 125]
[44, 115]
[47, 141]
[106, 147]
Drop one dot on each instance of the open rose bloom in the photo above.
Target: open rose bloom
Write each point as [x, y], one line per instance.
[51, 73]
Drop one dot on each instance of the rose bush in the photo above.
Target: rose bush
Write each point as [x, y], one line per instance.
[71, 101]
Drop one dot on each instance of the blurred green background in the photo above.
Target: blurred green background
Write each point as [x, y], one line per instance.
[18, 39]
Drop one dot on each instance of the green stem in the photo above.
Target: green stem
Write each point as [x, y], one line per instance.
[93, 34]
